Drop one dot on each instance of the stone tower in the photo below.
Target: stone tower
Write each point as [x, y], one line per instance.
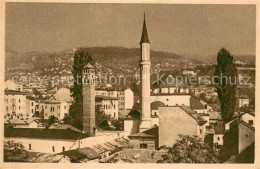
[88, 92]
[145, 68]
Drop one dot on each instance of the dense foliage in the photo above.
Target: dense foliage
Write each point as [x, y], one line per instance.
[189, 149]
[226, 83]
[76, 109]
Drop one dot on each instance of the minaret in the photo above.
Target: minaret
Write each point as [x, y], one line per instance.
[88, 92]
[145, 68]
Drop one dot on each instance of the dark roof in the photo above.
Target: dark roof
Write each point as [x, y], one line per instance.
[246, 124]
[43, 133]
[193, 114]
[30, 98]
[88, 66]
[196, 104]
[144, 38]
[150, 133]
[81, 154]
[219, 128]
[100, 98]
[251, 113]
[156, 104]
[215, 116]
[14, 92]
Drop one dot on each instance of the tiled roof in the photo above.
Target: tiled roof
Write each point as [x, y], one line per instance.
[81, 154]
[215, 116]
[64, 127]
[219, 129]
[150, 133]
[193, 114]
[43, 133]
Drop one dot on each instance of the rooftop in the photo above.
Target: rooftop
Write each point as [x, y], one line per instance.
[67, 134]
[196, 104]
[14, 92]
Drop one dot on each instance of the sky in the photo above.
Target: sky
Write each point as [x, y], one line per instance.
[182, 29]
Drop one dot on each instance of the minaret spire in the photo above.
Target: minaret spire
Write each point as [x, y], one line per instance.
[145, 69]
[144, 38]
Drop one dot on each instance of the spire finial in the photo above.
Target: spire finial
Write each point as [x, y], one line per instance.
[144, 38]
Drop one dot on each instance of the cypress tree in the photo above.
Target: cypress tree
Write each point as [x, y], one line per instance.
[225, 80]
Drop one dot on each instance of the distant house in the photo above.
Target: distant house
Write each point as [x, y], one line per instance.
[15, 105]
[55, 108]
[145, 140]
[175, 120]
[109, 105]
[214, 117]
[189, 72]
[18, 123]
[219, 131]
[239, 62]
[63, 94]
[10, 85]
[243, 101]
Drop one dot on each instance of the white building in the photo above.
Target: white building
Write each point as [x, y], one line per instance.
[55, 108]
[125, 97]
[63, 94]
[109, 105]
[172, 99]
[243, 101]
[189, 73]
[15, 105]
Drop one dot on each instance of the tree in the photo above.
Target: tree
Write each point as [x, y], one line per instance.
[100, 115]
[76, 109]
[52, 119]
[189, 149]
[225, 80]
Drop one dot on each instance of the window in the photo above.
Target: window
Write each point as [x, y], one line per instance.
[200, 131]
[46, 114]
[250, 122]
[19, 100]
[32, 110]
[167, 99]
[143, 145]
[32, 103]
[58, 107]
[63, 148]
[30, 146]
[114, 114]
[65, 107]
[19, 107]
[155, 113]
[218, 138]
[58, 114]
[53, 149]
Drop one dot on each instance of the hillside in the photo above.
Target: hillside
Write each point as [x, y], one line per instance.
[107, 56]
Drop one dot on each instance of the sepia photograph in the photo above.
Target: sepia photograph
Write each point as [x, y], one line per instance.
[129, 83]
